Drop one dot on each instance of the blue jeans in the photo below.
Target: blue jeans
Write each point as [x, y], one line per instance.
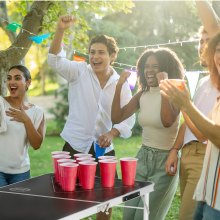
[6, 179]
[205, 212]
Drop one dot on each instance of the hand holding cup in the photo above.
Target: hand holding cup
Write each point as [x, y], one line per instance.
[178, 94]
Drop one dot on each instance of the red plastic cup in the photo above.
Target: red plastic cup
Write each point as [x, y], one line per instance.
[55, 164]
[81, 159]
[68, 176]
[178, 83]
[128, 170]
[58, 166]
[87, 171]
[107, 158]
[107, 172]
[81, 155]
[60, 152]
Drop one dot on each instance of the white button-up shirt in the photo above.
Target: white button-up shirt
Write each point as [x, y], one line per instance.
[89, 104]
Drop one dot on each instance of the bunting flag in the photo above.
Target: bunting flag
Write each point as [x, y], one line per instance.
[78, 58]
[13, 26]
[192, 78]
[38, 39]
[132, 78]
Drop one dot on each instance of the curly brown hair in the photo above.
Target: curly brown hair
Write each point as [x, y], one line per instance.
[168, 62]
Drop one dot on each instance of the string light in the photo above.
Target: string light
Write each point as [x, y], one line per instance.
[122, 48]
[87, 55]
[159, 45]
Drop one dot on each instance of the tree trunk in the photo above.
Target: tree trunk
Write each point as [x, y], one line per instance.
[16, 52]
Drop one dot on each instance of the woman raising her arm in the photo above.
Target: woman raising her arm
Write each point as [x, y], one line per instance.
[159, 120]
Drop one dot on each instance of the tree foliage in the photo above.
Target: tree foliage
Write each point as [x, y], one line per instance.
[151, 23]
[40, 16]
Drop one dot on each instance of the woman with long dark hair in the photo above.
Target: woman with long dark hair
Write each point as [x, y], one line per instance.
[22, 125]
[159, 120]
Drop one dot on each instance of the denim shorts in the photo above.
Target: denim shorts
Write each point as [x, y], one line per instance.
[6, 178]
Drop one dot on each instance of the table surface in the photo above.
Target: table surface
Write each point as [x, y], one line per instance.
[40, 198]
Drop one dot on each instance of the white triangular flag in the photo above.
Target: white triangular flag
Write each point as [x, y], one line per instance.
[192, 77]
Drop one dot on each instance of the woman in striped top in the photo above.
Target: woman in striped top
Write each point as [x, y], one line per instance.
[207, 192]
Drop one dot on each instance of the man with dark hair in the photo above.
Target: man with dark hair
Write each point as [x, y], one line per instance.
[91, 91]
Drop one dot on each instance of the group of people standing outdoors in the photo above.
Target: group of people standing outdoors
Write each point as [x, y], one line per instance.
[101, 107]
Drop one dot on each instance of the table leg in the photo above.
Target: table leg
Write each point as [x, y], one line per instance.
[145, 199]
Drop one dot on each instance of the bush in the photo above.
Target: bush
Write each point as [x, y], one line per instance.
[60, 111]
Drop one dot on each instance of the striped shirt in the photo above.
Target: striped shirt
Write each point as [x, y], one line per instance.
[208, 187]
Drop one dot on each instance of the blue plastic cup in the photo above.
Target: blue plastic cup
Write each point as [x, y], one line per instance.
[99, 151]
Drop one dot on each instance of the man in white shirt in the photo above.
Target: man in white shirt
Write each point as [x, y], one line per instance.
[90, 94]
[91, 90]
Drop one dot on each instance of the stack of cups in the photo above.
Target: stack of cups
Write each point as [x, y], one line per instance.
[107, 158]
[107, 172]
[68, 176]
[60, 161]
[60, 152]
[80, 157]
[128, 170]
[55, 158]
[87, 170]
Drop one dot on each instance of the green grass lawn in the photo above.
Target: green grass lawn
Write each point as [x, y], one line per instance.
[41, 163]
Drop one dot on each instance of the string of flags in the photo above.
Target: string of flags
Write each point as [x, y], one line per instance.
[13, 26]
[38, 39]
[80, 56]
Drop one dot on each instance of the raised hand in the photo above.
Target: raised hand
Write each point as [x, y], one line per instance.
[123, 77]
[65, 21]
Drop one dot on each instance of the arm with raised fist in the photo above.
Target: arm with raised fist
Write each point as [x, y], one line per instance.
[64, 22]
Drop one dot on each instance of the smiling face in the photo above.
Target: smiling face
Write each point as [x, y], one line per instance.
[16, 83]
[151, 68]
[99, 58]
[217, 57]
